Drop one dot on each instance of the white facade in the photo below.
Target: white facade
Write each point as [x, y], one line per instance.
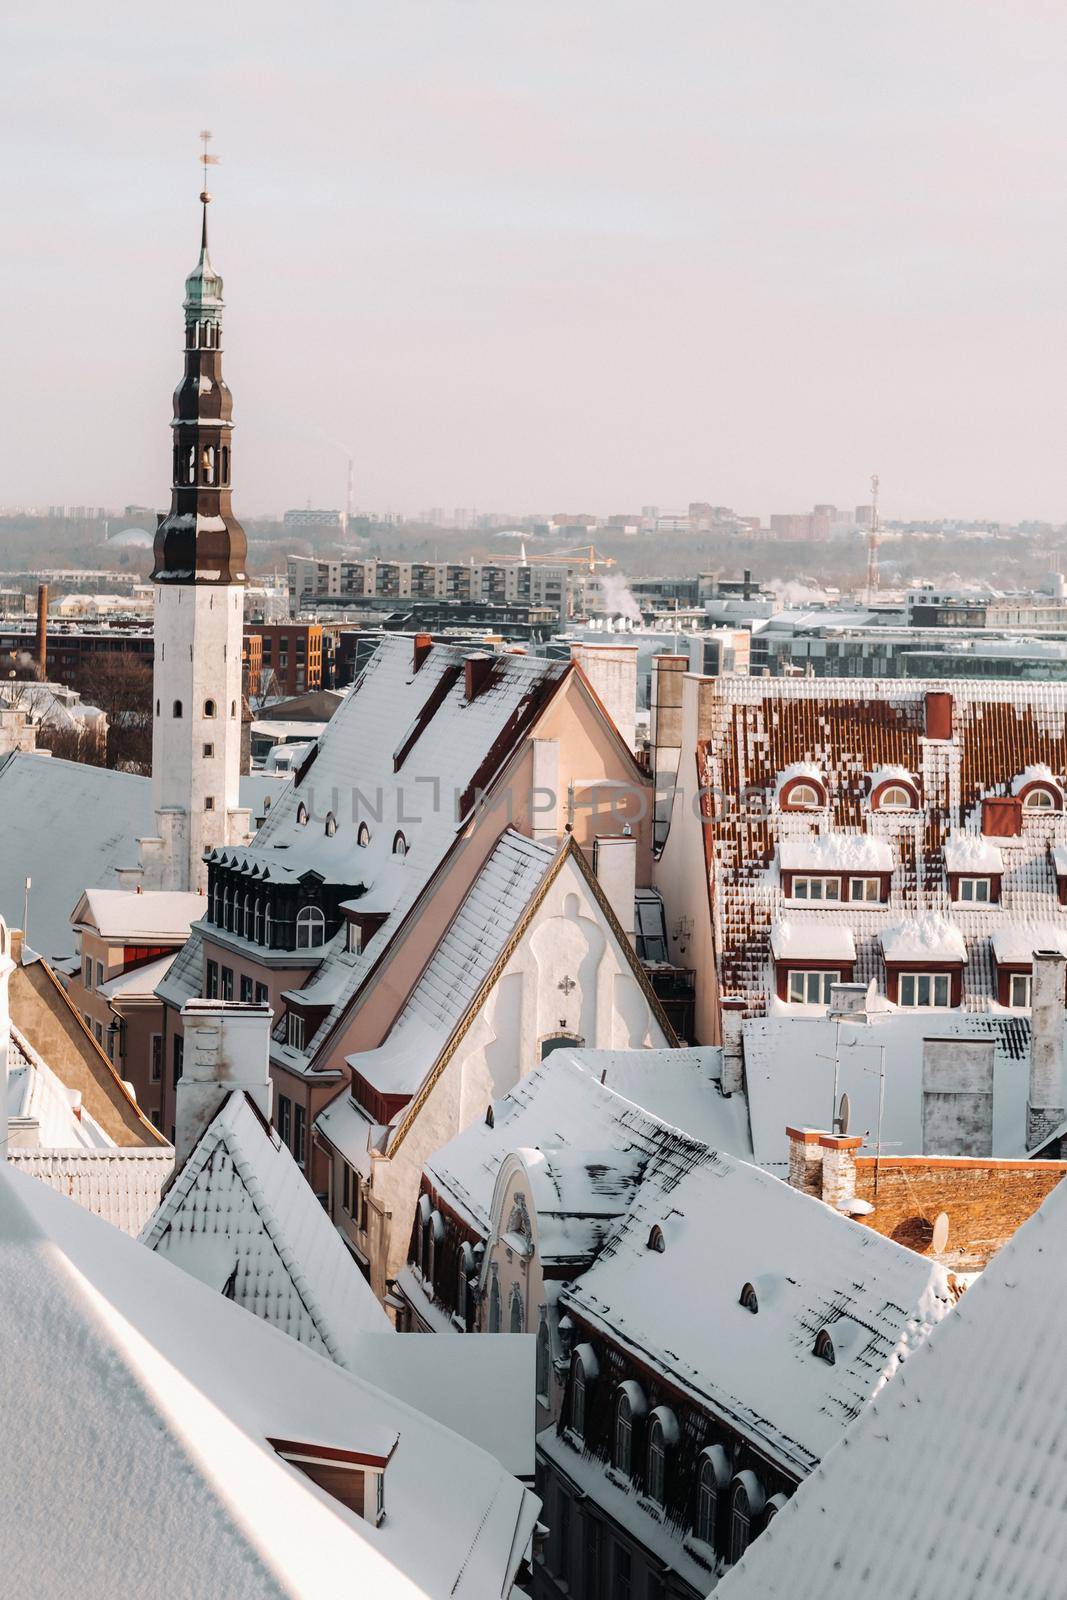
[196, 732]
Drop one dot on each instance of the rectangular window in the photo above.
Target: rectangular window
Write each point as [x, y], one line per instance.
[975, 889]
[924, 989]
[88, 980]
[812, 988]
[623, 1586]
[261, 994]
[99, 973]
[156, 1058]
[300, 1118]
[346, 1187]
[1019, 991]
[354, 938]
[157, 1119]
[246, 988]
[209, 751]
[209, 802]
[816, 888]
[591, 1588]
[563, 1532]
[211, 980]
[227, 983]
[865, 888]
[296, 1031]
[178, 1057]
[98, 1030]
[285, 1118]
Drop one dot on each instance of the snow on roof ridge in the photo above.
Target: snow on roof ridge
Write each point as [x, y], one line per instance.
[928, 935]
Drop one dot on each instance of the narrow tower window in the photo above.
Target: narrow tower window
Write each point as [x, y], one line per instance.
[209, 708]
[177, 711]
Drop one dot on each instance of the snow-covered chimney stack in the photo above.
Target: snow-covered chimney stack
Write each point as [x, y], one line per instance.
[732, 1010]
[615, 865]
[1044, 1110]
[227, 1048]
[7, 967]
[823, 1165]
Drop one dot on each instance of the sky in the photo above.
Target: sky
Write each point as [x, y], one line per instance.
[546, 254]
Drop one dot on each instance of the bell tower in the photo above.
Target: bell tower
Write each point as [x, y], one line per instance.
[199, 573]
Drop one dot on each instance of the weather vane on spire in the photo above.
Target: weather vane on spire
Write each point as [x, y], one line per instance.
[207, 159]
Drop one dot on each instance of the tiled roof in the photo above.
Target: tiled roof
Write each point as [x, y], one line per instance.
[241, 1205]
[121, 1184]
[951, 1481]
[849, 732]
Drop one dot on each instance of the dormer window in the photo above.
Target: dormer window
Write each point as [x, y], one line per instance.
[748, 1299]
[811, 988]
[400, 845]
[363, 836]
[802, 797]
[1040, 798]
[310, 928]
[924, 989]
[824, 1347]
[656, 1240]
[331, 824]
[354, 1477]
[975, 891]
[296, 1031]
[301, 815]
[894, 797]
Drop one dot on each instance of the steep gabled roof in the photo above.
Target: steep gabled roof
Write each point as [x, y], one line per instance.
[128, 1372]
[241, 1209]
[726, 1224]
[951, 1482]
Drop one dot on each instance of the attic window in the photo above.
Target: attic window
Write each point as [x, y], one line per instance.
[363, 836]
[824, 1347]
[301, 815]
[747, 1298]
[895, 797]
[400, 845]
[354, 1477]
[331, 824]
[490, 1119]
[656, 1240]
[1040, 797]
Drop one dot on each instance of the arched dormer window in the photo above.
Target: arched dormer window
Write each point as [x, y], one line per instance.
[629, 1408]
[712, 1482]
[209, 708]
[544, 1359]
[400, 844]
[464, 1275]
[584, 1371]
[494, 1305]
[747, 1298]
[662, 1437]
[301, 815]
[268, 926]
[894, 797]
[824, 1347]
[432, 1235]
[246, 922]
[516, 1311]
[803, 792]
[176, 709]
[310, 928]
[1041, 797]
[331, 824]
[746, 1508]
[656, 1241]
[216, 905]
[257, 923]
[490, 1117]
[363, 835]
[227, 910]
[776, 1503]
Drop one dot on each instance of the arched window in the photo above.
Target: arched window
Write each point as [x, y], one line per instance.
[894, 797]
[190, 465]
[516, 1311]
[331, 824]
[544, 1358]
[310, 928]
[712, 1480]
[233, 709]
[494, 1305]
[747, 1298]
[746, 1507]
[775, 1504]
[268, 926]
[622, 1434]
[209, 708]
[227, 910]
[656, 1469]
[463, 1284]
[583, 1374]
[246, 919]
[824, 1347]
[225, 474]
[363, 835]
[216, 904]
[1039, 798]
[804, 796]
[257, 923]
[656, 1240]
[490, 1117]
[400, 844]
[301, 815]
[176, 709]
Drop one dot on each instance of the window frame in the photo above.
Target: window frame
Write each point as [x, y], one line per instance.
[917, 980]
[310, 919]
[967, 890]
[865, 883]
[825, 981]
[810, 881]
[1026, 979]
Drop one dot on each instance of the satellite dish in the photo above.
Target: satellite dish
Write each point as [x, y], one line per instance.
[940, 1238]
[844, 1111]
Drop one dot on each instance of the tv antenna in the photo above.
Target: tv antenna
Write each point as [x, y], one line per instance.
[873, 540]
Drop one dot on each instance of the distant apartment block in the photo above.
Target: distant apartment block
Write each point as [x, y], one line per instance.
[312, 518]
[375, 584]
[291, 651]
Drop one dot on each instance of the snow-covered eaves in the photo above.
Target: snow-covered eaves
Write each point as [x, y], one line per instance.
[1015, 943]
[811, 939]
[930, 937]
[835, 852]
[120, 1184]
[125, 914]
[972, 853]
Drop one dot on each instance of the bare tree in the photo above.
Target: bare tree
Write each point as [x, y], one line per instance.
[70, 741]
[121, 685]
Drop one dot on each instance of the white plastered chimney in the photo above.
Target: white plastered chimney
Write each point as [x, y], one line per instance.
[227, 1048]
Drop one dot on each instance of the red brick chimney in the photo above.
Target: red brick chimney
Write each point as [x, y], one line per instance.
[477, 670]
[823, 1165]
[423, 646]
[41, 651]
[938, 714]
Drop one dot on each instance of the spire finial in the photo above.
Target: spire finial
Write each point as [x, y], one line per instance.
[207, 159]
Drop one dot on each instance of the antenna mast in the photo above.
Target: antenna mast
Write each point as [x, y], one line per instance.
[873, 541]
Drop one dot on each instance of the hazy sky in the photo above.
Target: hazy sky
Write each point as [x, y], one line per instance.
[546, 254]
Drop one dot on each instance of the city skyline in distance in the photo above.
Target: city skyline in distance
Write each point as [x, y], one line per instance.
[587, 257]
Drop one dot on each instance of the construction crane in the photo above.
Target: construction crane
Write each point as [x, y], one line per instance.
[873, 540]
[589, 554]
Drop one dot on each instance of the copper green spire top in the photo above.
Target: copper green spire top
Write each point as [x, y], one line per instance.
[203, 286]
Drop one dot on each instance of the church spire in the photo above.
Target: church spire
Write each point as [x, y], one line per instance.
[200, 540]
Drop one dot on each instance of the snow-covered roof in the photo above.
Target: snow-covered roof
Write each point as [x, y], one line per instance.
[930, 937]
[804, 770]
[394, 756]
[119, 1183]
[240, 1204]
[173, 1385]
[1059, 860]
[1015, 943]
[183, 979]
[45, 802]
[891, 774]
[811, 939]
[1036, 772]
[459, 966]
[137, 982]
[726, 1224]
[949, 1482]
[835, 852]
[51, 1114]
[588, 1102]
[125, 914]
[790, 1068]
[971, 852]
